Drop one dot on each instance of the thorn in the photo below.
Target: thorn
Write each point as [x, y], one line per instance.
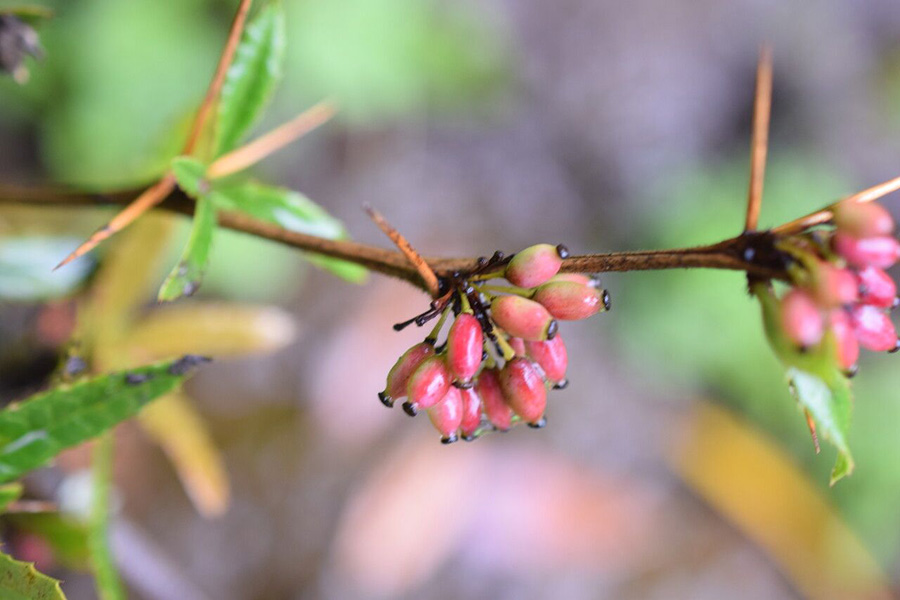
[425, 272]
[812, 429]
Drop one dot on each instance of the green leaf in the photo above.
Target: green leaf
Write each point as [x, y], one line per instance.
[293, 211]
[34, 431]
[252, 77]
[185, 278]
[816, 381]
[9, 493]
[21, 581]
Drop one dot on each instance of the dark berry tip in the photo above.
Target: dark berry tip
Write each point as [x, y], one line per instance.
[552, 329]
[430, 341]
[561, 384]
[463, 385]
[385, 399]
[469, 438]
[410, 408]
[896, 347]
[539, 424]
[449, 439]
[851, 372]
[562, 251]
[607, 301]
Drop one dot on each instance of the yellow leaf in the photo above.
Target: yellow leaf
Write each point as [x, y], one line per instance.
[123, 282]
[174, 423]
[754, 485]
[219, 330]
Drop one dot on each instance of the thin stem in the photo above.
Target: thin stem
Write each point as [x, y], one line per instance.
[727, 254]
[506, 289]
[759, 142]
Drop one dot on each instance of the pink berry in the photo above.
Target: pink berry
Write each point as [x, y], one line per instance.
[845, 338]
[427, 385]
[517, 344]
[495, 408]
[524, 318]
[576, 278]
[833, 286]
[523, 388]
[876, 287]
[873, 328]
[471, 413]
[398, 377]
[551, 356]
[881, 252]
[801, 318]
[447, 415]
[863, 219]
[535, 265]
[465, 345]
[569, 301]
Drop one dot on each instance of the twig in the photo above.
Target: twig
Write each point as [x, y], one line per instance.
[428, 277]
[759, 142]
[724, 255]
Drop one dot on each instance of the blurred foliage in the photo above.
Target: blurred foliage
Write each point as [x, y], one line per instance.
[20, 581]
[26, 267]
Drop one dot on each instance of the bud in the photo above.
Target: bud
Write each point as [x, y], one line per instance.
[862, 219]
[523, 389]
[801, 318]
[495, 408]
[446, 415]
[881, 252]
[845, 338]
[471, 413]
[524, 318]
[399, 374]
[569, 301]
[535, 265]
[832, 286]
[876, 287]
[427, 385]
[873, 328]
[551, 356]
[464, 347]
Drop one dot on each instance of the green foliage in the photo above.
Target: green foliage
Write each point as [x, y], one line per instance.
[9, 492]
[21, 581]
[37, 429]
[185, 278]
[252, 77]
[26, 267]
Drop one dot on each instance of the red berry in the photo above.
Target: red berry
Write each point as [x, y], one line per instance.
[863, 219]
[801, 318]
[833, 286]
[523, 388]
[533, 266]
[524, 318]
[576, 278]
[569, 301]
[881, 252]
[873, 328]
[876, 287]
[399, 374]
[845, 338]
[465, 346]
[427, 385]
[495, 408]
[551, 356]
[447, 415]
[471, 413]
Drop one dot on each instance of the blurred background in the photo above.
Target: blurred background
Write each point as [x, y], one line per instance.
[675, 465]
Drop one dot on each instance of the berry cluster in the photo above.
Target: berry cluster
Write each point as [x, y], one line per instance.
[503, 350]
[840, 284]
